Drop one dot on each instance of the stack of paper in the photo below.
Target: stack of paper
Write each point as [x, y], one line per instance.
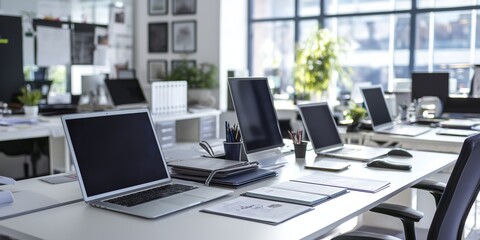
[217, 171]
[297, 192]
[258, 210]
[169, 97]
[351, 183]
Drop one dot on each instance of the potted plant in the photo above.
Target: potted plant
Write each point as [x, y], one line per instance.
[356, 114]
[317, 63]
[30, 100]
[201, 80]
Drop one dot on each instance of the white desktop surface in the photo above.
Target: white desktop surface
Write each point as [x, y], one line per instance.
[80, 221]
[429, 141]
[61, 192]
[45, 127]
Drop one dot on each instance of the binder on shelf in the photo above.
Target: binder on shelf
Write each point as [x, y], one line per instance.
[169, 97]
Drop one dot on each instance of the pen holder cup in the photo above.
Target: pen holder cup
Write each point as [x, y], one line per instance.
[300, 149]
[233, 150]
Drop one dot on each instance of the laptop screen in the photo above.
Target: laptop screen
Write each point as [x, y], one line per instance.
[115, 151]
[376, 105]
[255, 113]
[125, 91]
[320, 125]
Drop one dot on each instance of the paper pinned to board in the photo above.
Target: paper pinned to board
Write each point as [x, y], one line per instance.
[53, 46]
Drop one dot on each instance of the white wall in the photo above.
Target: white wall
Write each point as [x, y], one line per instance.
[208, 36]
[233, 42]
[221, 39]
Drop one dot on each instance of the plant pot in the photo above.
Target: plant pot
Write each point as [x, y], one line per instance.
[31, 111]
[202, 97]
[354, 127]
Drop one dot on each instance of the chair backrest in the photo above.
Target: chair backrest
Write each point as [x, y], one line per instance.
[460, 193]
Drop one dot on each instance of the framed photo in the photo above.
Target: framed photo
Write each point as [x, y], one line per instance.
[176, 63]
[158, 37]
[157, 7]
[157, 70]
[184, 36]
[184, 7]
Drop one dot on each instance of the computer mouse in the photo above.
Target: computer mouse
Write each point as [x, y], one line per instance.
[399, 152]
[389, 164]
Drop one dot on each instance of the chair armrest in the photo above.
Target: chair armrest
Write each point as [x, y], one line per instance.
[432, 186]
[435, 188]
[398, 211]
[407, 215]
[358, 235]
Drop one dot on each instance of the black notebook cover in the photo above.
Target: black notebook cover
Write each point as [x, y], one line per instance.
[232, 181]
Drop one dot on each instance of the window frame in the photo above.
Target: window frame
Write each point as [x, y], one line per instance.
[414, 11]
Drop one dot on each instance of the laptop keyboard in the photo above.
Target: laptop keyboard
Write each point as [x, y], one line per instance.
[150, 195]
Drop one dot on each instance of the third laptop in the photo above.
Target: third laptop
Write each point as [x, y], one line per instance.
[323, 133]
[382, 121]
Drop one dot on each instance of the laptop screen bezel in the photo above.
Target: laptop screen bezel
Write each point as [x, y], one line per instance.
[384, 125]
[114, 96]
[272, 147]
[308, 129]
[87, 198]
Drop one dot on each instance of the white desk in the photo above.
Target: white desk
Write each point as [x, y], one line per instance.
[429, 141]
[51, 127]
[80, 221]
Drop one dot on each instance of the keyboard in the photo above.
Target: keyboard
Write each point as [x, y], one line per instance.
[137, 198]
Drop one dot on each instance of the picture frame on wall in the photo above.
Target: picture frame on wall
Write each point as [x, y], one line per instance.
[184, 36]
[183, 7]
[157, 70]
[176, 63]
[157, 7]
[158, 37]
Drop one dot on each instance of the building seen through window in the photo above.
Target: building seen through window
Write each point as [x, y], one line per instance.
[387, 39]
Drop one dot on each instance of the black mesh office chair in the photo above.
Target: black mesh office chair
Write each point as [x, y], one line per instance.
[458, 197]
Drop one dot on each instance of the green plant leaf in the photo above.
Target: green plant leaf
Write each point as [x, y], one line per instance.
[29, 98]
[317, 60]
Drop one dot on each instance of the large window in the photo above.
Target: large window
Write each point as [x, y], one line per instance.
[388, 39]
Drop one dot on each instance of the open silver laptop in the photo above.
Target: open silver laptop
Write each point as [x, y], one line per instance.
[125, 93]
[323, 133]
[121, 167]
[382, 121]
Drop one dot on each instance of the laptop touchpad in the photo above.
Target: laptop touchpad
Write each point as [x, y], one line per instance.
[183, 199]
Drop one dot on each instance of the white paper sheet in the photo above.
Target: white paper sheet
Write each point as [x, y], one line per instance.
[53, 46]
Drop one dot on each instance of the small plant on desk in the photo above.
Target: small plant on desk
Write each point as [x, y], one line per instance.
[356, 114]
[30, 100]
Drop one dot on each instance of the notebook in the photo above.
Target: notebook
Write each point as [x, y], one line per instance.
[121, 167]
[126, 93]
[382, 121]
[323, 133]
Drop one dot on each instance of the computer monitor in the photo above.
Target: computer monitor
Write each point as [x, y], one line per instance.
[257, 119]
[92, 84]
[126, 93]
[430, 84]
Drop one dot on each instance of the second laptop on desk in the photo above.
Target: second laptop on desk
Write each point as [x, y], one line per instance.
[323, 133]
[382, 121]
